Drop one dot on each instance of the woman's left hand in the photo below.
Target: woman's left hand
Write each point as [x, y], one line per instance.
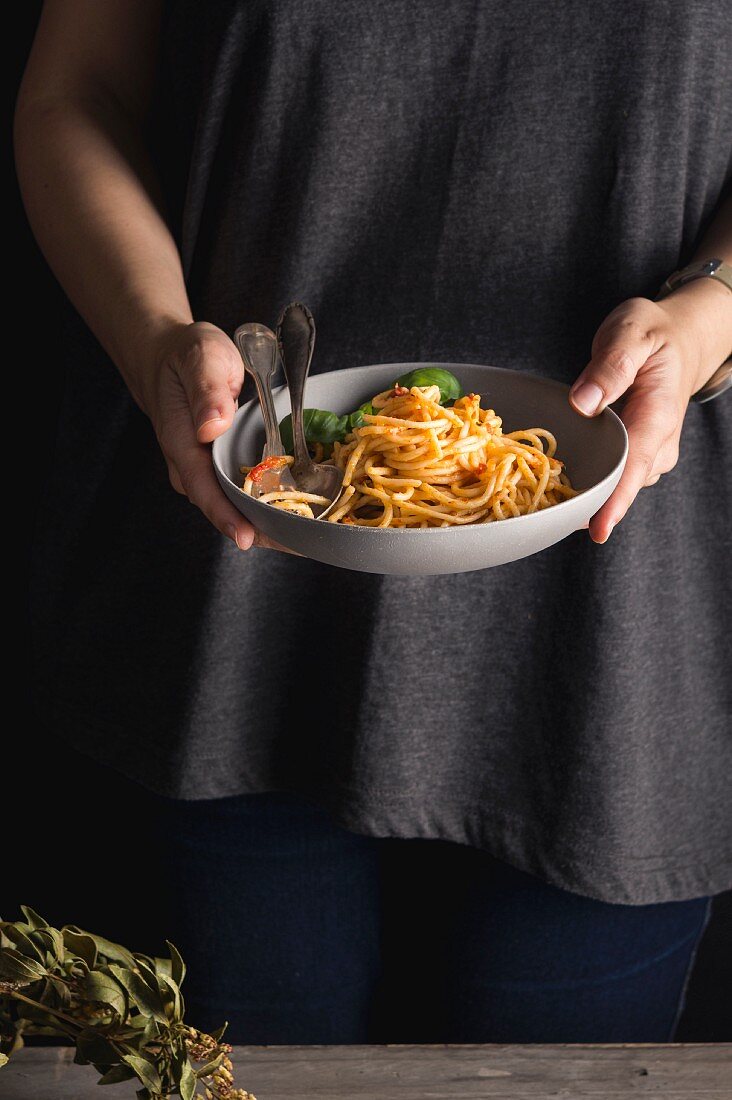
[657, 354]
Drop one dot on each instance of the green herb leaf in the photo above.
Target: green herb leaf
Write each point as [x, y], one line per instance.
[450, 388]
[356, 419]
[319, 426]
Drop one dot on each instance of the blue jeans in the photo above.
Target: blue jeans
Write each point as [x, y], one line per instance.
[298, 931]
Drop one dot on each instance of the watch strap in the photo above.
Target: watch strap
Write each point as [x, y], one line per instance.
[721, 272]
[715, 269]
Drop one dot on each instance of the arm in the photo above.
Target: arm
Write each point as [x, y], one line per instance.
[93, 203]
[658, 354]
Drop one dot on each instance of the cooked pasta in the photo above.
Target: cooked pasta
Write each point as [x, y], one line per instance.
[417, 463]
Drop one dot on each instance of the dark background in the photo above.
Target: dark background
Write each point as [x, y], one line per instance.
[35, 784]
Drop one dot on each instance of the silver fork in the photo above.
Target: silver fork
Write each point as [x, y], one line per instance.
[257, 346]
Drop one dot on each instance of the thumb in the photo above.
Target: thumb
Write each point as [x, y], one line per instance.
[612, 369]
[212, 374]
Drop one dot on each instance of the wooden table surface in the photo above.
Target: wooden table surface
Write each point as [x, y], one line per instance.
[671, 1072]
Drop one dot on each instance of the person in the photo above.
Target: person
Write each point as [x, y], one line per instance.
[479, 807]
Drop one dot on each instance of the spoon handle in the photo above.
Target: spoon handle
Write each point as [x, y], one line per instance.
[296, 337]
[257, 346]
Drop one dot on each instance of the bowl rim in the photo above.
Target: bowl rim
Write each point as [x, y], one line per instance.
[552, 383]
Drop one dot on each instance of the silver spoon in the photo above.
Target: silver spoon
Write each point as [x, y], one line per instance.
[296, 338]
[257, 346]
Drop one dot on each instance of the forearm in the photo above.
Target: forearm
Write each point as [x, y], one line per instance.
[703, 307]
[90, 195]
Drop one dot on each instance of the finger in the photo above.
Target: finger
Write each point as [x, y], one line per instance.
[650, 418]
[666, 458]
[211, 375]
[617, 357]
[191, 462]
[175, 480]
[203, 490]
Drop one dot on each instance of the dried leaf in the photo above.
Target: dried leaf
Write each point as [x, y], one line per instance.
[207, 1069]
[177, 966]
[144, 1071]
[116, 1074]
[95, 1048]
[101, 987]
[124, 1011]
[187, 1082]
[113, 951]
[82, 945]
[61, 990]
[52, 940]
[141, 996]
[149, 974]
[25, 944]
[32, 917]
[160, 966]
[15, 967]
[172, 998]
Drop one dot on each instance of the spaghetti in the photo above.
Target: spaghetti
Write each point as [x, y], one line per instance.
[417, 463]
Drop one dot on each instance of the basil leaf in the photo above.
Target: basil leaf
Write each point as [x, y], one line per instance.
[319, 426]
[450, 388]
[356, 419]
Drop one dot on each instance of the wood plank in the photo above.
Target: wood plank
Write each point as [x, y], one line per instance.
[670, 1072]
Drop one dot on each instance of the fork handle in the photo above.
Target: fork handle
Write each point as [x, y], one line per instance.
[258, 348]
[296, 338]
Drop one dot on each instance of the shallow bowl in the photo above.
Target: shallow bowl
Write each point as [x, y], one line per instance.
[594, 452]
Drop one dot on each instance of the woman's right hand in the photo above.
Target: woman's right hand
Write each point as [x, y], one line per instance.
[190, 394]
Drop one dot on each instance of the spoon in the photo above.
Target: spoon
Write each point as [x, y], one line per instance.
[257, 346]
[296, 338]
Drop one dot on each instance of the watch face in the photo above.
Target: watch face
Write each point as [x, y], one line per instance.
[710, 267]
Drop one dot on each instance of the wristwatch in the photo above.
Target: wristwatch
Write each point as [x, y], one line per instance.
[716, 269]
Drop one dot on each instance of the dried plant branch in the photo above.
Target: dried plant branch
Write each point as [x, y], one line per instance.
[123, 1010]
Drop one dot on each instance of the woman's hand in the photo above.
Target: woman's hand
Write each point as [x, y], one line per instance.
[656, 354]
[190, 394]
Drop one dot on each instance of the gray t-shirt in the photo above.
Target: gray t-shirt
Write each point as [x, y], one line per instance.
[438, 181]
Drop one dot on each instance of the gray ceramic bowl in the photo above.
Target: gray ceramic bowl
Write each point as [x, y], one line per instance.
[594, 452]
